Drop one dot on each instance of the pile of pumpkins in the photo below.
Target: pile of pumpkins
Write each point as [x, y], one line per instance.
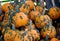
[28, 22]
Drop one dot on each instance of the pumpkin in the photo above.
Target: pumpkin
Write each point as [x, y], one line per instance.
[54, 39]
[30, 36]
[24, 8]
[40, 9]
[50, 31]
[5, 7]
[53, 13]
[9, 35]
[20, 19]
[33, 14]
[42, 21]
[30, 4]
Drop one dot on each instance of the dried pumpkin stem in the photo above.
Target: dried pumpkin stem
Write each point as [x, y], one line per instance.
[30, 24]
[17, 8]
[44, 11]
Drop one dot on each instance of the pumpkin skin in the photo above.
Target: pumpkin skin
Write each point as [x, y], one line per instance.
[9, 35]
[40, 9]
[33, 14]
[33, 36]
[53, 13]
[24, 8]
[54, 39]
[30, 4]
[5, 7]
[20, 19]
[43, 20]
[47, 30]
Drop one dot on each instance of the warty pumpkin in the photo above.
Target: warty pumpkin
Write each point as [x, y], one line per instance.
[53, 13]
[20, 19]
[42, 21]
[50, 31]
[30, 4]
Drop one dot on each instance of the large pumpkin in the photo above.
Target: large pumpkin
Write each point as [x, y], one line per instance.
[25, 8]
[51, 31]
[54, 39]
[5, 7]
[33, 14]
[53, 13]
[20, 19]
[40, 9]
[42, 21]
[30, 4]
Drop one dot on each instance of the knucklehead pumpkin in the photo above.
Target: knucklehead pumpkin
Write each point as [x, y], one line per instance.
[30, 4]
[42, 20]
[53, 13]
[50, 31]
[20, 19]
[5, 7]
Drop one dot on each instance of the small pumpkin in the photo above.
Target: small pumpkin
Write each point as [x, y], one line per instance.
[30, 36]
[40, 9]
[33, 14]
[42, 21]
[24, 8]
[50, 31]
[20, 19]
[9, 35]
[5, 7]
[53, 13]
[30, 4]
[54, 39]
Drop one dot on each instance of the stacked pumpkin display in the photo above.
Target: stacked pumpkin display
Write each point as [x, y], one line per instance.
[28, 22]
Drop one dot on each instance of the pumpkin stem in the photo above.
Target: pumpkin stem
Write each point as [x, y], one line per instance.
[17, 8]
[13, 26]
[34, 7]
[44, 11]
[30, 24]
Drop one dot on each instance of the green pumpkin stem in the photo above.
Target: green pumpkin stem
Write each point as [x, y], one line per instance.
[30, 24]
[44, 11]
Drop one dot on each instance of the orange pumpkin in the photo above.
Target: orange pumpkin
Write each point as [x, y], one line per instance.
[5, 7]
[39, 8]
[24, 8]
[9, 35]
[51, 31]
[33, 14]
[42, 20]
[32, 36]
[53, 13]
[54, 39]
[20, 19]
[30, 4]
